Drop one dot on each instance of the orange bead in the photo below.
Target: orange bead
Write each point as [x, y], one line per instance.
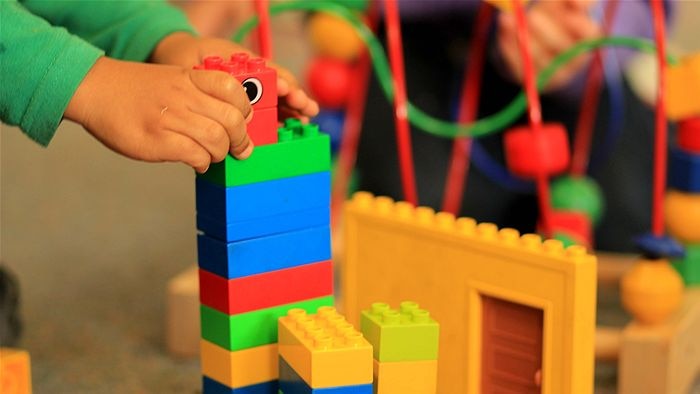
[334, 37]
[682, 211]
[651, 291]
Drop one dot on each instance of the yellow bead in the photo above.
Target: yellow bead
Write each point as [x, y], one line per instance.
[682, 211]
[333, 37]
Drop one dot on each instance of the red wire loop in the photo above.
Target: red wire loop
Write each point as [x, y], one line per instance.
[352, 128]
[589, 104]
[262, 8]
[468, 107]
[534, 112]
[661, 136]
[403, 131]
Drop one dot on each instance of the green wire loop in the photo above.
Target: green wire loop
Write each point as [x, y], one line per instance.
[488, 125]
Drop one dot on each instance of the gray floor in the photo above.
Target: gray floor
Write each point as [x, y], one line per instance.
[93, 238]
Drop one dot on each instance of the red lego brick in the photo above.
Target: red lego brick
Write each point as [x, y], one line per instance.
[259, 80]
[249, 293]
[689, 135]
[529, 153]
[262, 129]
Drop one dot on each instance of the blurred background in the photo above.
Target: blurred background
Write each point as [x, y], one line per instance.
[94, 238]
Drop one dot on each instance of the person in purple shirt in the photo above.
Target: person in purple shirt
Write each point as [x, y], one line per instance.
[436, 35]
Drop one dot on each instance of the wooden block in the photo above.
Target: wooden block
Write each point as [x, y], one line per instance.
[663, 359]
[15, 372]
[182, 316]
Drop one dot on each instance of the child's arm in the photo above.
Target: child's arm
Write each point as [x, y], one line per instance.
[41, 67]
[156, 31]
[127, 30]
[163, 113]
[147, 112]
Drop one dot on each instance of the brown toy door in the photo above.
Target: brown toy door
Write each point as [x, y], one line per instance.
[511, 360]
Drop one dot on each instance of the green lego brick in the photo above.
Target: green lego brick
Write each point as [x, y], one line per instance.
[301, 150]
[406, 335]
[250, 329]
[689, 266]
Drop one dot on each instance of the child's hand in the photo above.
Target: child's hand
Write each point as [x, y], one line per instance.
[185, 50]
[163, 113]
[554, 27]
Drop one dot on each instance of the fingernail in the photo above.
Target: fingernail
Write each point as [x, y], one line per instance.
[246, 152]
[249, 117]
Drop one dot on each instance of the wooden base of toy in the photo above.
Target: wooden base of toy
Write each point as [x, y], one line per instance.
[182, 315]
[662, 359]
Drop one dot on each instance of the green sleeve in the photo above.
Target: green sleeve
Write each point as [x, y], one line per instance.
[41, 66]
[124, 29]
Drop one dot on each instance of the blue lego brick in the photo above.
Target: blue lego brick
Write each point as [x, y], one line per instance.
[271, 225]
[263, 199]
[211, 386]
[684, 171]
[258, 255]
[291, 383]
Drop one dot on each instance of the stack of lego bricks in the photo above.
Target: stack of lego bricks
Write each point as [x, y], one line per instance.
[322, 353]
[264, 239]
[683, 198]
[405, 344]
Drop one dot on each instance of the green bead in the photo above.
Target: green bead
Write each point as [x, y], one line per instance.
[689, 266]
[566, 239]
[580, 194]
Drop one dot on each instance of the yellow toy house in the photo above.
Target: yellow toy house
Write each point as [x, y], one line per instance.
[516, 314]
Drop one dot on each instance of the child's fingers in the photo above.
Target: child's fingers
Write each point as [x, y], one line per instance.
[232, 121]
[173, 146]
[207, 132]
[224, 106]
[223, 87]
[298, 100]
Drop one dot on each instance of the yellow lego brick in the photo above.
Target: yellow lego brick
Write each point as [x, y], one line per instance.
[405, 377]
[682, 85]
[451, 267]
[324, 349]
[504, 5]
[239, 368]
[15, 372]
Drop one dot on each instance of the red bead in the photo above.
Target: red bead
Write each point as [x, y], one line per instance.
[574, 224]
[529, 154]
[329, 82]
[689, 134]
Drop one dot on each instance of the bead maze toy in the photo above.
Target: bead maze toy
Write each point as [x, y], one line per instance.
[515, 313]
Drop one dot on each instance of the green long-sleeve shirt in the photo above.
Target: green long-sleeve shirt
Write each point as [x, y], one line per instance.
[48, 46]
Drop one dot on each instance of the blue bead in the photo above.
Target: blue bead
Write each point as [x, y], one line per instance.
[332, 123]
[655, 247]
[684, 171]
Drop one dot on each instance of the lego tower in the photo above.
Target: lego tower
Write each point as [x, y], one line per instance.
[264, 238]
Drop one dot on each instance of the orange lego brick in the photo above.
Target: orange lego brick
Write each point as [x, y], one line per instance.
[15, 372]
[324, 349]
[406, 377]
[682, 85]
[239, 368]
